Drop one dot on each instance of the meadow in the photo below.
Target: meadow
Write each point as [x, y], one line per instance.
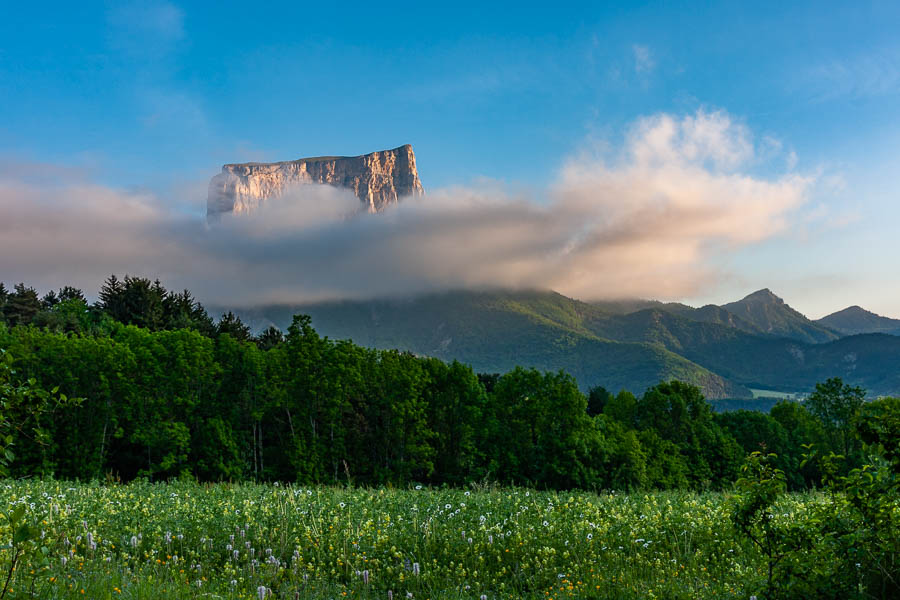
[189, 540]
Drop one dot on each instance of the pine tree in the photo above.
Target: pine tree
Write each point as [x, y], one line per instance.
[21, 306]
[233, 326]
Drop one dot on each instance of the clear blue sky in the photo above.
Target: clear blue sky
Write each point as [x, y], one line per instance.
[157, 95]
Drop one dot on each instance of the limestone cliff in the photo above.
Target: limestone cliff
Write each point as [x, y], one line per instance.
[378, 179]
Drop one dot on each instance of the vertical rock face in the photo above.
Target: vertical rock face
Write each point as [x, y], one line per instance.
[378, 179]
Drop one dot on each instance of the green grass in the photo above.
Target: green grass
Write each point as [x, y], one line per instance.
[778, 395]
[175, 541]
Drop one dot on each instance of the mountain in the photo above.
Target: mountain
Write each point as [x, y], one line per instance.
[498, 330]
[378, 179]
[763, 361]
[855, 320]
[769, 314]
[761, 313]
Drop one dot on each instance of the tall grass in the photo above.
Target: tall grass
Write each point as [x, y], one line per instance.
[185, 540]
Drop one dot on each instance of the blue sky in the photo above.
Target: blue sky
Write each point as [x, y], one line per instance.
[155, 96]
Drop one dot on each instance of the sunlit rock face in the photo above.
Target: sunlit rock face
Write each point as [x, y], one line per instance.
[378, 179]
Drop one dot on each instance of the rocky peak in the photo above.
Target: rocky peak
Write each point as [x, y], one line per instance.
[378, 179]
[764, 295]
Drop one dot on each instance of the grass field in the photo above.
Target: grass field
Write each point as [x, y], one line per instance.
[778, 395]
[184, 540]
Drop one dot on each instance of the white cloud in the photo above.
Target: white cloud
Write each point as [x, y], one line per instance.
[872, 74]
[713, 140]
[643, 59]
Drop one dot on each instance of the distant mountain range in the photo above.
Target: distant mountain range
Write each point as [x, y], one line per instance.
[855, 320]
[758, 342]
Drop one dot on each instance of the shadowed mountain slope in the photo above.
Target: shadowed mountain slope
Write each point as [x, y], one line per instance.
[496, 330]
[769, 313]
[855, 319]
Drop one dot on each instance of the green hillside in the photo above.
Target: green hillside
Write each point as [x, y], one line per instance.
[771, 315]
[496, 330]
[871, 361]
[855, 319]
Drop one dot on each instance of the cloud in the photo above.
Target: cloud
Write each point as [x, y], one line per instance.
[146, 29]
[647, 221]
[873, 74]
[643, 59]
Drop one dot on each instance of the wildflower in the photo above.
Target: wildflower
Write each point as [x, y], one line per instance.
[134, 541]
[365, 577]
[262, 591]
[415, 568]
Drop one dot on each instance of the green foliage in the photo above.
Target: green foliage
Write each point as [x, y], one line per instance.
[25, 546]
[269, 338]
[598, 398]
[677, 413]
[760, 486]
[138, 301]
[21, 306]
[22, 406]
[233, 326]
[758, 432]
[181, 397]
[835, 404]
[847, 545]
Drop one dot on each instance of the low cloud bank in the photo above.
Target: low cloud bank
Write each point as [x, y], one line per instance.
[647, 222]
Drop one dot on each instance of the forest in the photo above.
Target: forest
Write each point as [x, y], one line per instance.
[156, 389]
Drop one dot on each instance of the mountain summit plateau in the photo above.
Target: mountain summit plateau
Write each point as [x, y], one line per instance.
[378, 179]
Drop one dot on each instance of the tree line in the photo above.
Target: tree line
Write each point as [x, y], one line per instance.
[165, 391]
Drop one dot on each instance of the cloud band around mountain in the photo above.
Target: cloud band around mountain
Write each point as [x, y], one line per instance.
[645, 222]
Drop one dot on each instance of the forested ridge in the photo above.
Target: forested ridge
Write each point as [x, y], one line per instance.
[165, 391]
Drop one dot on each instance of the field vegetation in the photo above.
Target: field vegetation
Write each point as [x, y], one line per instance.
[184, 540]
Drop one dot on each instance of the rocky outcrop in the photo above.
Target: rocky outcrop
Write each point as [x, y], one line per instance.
[378, 179]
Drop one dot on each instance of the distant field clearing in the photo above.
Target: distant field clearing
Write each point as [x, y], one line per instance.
[781, 395]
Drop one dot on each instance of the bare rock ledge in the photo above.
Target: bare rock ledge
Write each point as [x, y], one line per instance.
[378, 179]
